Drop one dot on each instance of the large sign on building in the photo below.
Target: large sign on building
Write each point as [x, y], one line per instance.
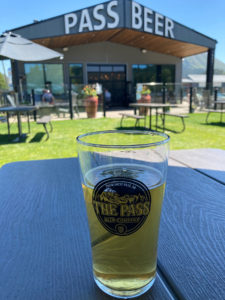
[112, 15]
[114, 32]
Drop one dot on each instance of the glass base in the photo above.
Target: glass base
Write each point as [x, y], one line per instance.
[124, 294]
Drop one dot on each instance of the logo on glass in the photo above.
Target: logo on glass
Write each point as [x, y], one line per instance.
[121, 204]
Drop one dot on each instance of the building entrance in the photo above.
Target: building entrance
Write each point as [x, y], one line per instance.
[112, 78]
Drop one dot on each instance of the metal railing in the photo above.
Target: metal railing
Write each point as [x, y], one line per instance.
[72, 101]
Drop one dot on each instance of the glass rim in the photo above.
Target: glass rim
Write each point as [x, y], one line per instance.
[145, 132]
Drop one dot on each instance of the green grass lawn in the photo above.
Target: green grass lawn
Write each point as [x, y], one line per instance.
[62, 141]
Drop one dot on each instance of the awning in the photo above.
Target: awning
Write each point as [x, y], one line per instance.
[15, 47]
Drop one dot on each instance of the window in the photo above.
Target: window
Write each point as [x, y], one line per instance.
[168, 73]
[38, 76]
[144, 73]
[76, 73]
[34, 76]
[153, 73]
[54, 75]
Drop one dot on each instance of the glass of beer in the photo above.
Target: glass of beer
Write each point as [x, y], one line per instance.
[123, 180]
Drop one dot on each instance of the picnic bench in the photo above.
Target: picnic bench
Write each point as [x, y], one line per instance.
[209, 111]
[150, 107]
[221, 111]
[44, 121]
[18, 110]
[163, 117]
[133, 116]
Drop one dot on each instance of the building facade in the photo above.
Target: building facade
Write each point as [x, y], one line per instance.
[115, 43]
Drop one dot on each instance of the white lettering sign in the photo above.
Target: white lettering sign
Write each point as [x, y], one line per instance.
[145, 19]
[169, 26]
[159, 24]
[106, 15]
[148, 20]
[136, 16]
[99, 17]
[70, 21]
[112, 14]
[85, 21]
[88, 18]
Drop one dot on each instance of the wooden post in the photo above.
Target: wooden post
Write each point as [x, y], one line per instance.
[104, 106]
[215, 97]
[191, 96]
[70, 101]
[33, 102]
[164, 93]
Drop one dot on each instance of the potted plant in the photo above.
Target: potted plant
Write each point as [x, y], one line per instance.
[91, 101]
[145, 98]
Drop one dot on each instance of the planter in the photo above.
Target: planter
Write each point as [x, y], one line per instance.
[144, 99]
[91, 106]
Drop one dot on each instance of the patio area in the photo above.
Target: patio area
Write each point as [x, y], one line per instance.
[62, 143]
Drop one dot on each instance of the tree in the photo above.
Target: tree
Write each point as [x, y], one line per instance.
[3, 83]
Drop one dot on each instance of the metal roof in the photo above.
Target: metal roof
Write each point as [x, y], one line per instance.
[125, 22]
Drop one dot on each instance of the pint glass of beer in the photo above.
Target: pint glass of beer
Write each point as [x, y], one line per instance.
[123, 181]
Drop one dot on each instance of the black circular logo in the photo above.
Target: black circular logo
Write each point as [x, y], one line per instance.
[121, 204]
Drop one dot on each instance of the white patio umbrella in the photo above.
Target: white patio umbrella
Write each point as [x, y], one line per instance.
[16, 47]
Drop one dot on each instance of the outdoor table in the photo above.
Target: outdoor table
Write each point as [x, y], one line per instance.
[221, 102]
[45, 251]
[18, 110]
[152, 106]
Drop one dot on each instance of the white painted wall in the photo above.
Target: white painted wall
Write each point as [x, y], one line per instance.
[111, 53]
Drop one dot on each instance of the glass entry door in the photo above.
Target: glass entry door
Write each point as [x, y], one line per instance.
[112, 78]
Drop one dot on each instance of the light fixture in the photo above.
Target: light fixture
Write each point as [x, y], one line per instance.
[143, 51]
[65, 49]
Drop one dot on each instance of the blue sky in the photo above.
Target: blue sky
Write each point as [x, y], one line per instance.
[205, 16]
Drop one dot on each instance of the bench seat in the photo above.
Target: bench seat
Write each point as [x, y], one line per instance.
[164, 114]
[210, 110]
[136, 117]
[215, 110]
[44, 121]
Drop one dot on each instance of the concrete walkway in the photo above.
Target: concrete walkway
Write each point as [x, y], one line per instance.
[181, 109]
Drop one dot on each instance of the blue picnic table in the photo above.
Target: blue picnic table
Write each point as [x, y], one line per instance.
[45, 250]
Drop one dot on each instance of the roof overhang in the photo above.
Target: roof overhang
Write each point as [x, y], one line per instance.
[126, 37]
[124, 22]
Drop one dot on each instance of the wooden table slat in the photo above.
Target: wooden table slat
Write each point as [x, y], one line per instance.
[210, 162]
[45, 251]
[192, 244]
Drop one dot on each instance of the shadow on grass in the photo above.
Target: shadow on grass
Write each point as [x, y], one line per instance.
[220, 124]
[147, 129]
[37, 138]
[132, 128]
[172, 130]
[12, 139]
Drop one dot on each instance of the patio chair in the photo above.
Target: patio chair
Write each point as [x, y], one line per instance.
[75, 107]
[44, 121]
[10, 99]
[3, 119]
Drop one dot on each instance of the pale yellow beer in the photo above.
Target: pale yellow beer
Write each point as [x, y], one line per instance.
[125, 263]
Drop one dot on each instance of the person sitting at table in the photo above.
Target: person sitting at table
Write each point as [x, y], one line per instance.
[47, 97]
[107, 98]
